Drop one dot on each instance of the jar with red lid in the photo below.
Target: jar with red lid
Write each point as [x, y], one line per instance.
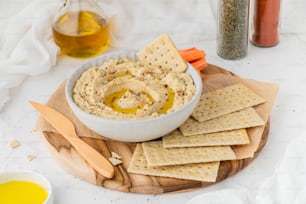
[266, 23]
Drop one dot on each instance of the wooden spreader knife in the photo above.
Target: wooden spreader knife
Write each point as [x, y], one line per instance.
[66, 128]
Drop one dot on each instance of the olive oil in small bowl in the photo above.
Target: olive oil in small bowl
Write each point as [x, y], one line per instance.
[25, 187]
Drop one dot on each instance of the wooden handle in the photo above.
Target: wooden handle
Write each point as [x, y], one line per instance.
[93, 157]
[64, 126]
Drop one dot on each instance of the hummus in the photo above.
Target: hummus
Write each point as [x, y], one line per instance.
[126, 89]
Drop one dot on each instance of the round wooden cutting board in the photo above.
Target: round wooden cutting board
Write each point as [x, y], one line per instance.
[126, 182]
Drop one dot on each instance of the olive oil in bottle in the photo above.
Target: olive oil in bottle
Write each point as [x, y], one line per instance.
[81, 33]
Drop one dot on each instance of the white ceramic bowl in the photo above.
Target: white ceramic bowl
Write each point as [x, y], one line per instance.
[30, 176]
[131, 130]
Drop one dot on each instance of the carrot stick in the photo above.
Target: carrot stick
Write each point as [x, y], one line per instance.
[198, 70]
[200, 64]
[192, 54]
[190, 49]
[195, 57]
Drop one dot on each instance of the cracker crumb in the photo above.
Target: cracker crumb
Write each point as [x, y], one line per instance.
[115, 161]
[14, 144]
[31, 157]
[115, 155]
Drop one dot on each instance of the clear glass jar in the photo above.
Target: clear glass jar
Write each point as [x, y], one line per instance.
[232, 28]
[81, 29]
[266, 23]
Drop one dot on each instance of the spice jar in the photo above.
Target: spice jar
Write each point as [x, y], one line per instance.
[265, 27]
[232, 33]
[81, 29]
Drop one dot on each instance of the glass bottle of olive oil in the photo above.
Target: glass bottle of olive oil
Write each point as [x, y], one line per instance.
[81, 29]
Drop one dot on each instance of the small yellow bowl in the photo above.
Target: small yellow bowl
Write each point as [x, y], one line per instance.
[25, 183]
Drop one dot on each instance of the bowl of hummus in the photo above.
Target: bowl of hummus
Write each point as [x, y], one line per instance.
[120, 98]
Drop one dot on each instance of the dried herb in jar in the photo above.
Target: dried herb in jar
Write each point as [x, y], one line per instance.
[233, 23]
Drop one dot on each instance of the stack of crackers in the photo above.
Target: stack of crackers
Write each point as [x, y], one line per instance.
[194, 151]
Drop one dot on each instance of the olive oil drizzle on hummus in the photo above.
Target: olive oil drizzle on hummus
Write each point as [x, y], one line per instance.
[121, 74]
[112, 101]
[169, 103]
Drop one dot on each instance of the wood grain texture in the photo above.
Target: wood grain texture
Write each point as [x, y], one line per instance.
[123, 181]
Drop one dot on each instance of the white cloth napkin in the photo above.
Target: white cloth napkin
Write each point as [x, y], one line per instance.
[26, 46]
[286, 185]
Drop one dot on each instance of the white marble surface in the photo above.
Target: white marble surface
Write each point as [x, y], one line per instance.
[284, 64]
